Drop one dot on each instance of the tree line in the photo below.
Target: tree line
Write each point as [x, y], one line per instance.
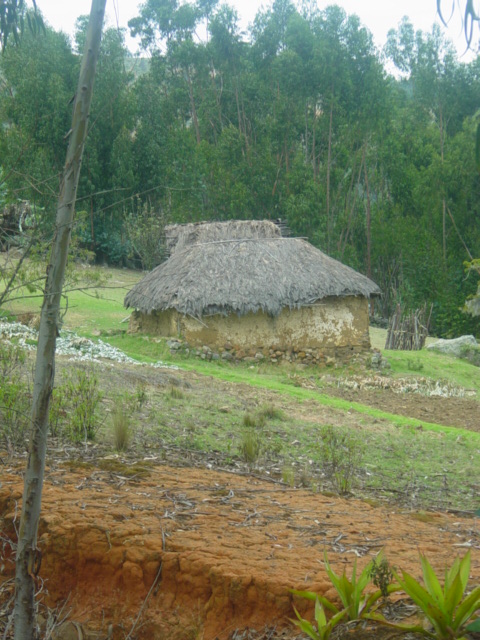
[369, 154]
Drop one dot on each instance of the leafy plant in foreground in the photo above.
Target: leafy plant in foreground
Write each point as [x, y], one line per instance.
[448, 610]
[324, 626]
[357, 604]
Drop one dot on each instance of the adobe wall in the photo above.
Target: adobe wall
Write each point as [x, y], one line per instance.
[331, 328]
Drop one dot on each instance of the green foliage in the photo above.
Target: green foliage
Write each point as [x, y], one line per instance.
[253, 421]
[357, 604]
[381, 574]
[146, 231]
[415, 364]
[271, 412]
[448, 609]
[12, 21]
[14, 397]
[352, 591]
[341, 454]
[300, 120]
[74, 406]
[324, 626]
[251, 439]
[122, 432]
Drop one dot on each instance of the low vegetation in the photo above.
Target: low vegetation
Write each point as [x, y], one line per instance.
[450, 611]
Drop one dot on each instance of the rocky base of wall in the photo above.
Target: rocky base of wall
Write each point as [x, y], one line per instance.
[274, 354]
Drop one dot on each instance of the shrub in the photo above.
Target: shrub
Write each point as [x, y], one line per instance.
[357, 604]
[251, 421]
[15, 397]
[251, 444]
[122, 432]
[341, 454]
[271, 412]
[74, 406]
[175, 393]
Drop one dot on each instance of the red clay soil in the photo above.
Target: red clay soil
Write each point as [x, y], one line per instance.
[225, 549]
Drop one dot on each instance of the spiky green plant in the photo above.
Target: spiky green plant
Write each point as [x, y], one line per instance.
[351, 591]
[448, 609]
[324, 626]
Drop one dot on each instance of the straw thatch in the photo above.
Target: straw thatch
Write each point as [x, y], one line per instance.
[241, 267]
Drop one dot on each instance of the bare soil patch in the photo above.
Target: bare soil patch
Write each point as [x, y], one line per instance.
[451, 412]
[220, 550]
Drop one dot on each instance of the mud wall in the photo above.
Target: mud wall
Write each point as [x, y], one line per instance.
[327, 328]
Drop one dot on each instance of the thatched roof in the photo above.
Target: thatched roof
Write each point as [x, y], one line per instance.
[241, 267]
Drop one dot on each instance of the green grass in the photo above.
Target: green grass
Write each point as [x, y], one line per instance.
[91, 310]
[428, 463]
[143, 349]
[422, 467]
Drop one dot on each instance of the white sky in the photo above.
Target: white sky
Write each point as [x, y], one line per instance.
[378, 15]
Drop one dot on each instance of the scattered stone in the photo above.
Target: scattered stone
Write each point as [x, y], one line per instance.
[377, 361]
[69, 344]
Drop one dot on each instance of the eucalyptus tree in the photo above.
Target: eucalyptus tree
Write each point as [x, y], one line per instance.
[112, 124]
[35, 93]
[13, 18]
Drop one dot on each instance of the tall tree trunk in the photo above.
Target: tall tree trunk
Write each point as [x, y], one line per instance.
[28, 558]
[329, 161]
[444, 202]
[351, 215]
[369, 217]
[193, 107]
[314, 143]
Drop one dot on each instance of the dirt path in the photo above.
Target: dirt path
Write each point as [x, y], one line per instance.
[222, 550]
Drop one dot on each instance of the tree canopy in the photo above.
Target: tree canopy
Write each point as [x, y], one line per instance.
[370, 154]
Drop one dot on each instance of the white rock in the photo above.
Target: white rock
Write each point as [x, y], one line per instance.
[454, 347]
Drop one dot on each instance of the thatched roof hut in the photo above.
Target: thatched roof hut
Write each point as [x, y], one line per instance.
[244, 290]
[242, 267]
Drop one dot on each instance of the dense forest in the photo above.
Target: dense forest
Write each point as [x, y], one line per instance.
[369, 154]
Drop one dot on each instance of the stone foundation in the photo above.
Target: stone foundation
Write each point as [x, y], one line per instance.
[272, 355]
